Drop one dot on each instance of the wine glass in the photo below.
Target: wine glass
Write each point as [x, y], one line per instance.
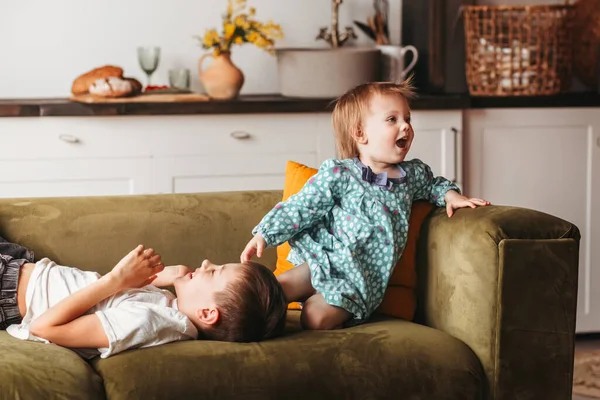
[148, 57]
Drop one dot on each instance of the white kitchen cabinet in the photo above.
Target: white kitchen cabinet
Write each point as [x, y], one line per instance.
[438, 142]
[35, 138]
[75, 177]
[72, 156]
[547, 160]
[209, 173]
[64, 156]
[211, 153]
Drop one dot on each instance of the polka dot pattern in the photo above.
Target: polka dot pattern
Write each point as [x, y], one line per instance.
[350, 232]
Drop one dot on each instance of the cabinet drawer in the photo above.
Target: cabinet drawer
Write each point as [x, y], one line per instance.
[238, 134]
[130, 136]
[73, 177]
[189, 174]
[72, 137]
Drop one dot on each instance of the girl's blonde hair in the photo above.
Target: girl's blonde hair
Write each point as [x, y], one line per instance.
[352, 105]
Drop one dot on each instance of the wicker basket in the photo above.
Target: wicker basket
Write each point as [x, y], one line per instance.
[586, 41]
[518, 50]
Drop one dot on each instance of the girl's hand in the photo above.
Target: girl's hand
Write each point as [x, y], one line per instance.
[255, 246]
[454, 201]
[136, 269]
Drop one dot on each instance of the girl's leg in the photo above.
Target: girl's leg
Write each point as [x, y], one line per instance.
[296, 283]
[317, 314]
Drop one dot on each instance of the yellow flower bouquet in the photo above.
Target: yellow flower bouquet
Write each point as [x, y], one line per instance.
[240, 27]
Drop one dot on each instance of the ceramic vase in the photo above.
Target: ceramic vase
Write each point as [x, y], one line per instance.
[222, 80]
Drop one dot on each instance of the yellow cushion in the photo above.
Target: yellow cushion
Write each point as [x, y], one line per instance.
[296, 175]
[400, 298]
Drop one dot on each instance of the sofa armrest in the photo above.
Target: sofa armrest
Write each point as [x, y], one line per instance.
[504, 281]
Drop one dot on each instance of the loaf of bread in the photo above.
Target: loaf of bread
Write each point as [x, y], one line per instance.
[136, 86]
[111, 87]
[82, 83]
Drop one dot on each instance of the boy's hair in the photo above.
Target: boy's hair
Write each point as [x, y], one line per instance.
[352, 106]
[252, 308]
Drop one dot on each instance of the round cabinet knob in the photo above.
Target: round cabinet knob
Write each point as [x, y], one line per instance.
[240, 135]
[69, 138]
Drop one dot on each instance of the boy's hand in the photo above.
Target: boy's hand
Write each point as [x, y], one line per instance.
[455, 200]
[136, 269]
[168, 275]
[255, 246]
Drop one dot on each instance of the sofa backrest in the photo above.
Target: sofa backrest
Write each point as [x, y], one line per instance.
[94, 233]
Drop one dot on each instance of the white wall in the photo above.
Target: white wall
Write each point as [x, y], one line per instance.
[45, 44]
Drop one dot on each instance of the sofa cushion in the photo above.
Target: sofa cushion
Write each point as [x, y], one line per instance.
[32, 370]
[94, 233]
[400, 296]
[386, 358]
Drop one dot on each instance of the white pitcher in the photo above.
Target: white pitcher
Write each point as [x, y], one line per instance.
[392, 62]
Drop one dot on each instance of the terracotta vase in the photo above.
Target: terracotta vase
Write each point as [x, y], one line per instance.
[222, 79]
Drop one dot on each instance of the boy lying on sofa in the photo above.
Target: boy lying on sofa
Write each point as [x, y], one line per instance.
[124, 309]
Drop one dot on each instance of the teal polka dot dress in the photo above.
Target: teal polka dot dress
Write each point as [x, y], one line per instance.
[350, 226]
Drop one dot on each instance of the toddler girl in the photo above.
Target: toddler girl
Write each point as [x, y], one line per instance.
[348, 225]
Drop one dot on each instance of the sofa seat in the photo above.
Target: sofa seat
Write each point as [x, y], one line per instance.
[386, 358]
[31, 370]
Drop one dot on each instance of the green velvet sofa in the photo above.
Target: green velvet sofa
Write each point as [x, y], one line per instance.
[495, 319]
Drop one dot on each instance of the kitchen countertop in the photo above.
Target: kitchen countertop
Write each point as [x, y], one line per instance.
[267, 104]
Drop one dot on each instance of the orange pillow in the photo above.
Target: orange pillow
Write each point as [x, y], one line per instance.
[296, 175]
[399, 299]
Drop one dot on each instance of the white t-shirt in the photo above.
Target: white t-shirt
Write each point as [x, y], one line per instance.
[132, 318]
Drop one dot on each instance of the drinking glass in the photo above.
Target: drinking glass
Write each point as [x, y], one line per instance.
[179, 78]
[148, 57]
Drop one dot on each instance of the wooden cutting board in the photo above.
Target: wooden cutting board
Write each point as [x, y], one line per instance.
[142, 98]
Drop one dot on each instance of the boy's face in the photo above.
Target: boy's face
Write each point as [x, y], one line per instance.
[387, 132]
[196, 290]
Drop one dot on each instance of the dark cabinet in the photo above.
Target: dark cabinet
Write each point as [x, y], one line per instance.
[436, 29]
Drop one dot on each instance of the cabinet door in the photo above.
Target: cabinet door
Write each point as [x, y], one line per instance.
[74, 156]
[438, 138]
[438, 142]
[35, 138]
[241, 152]
[75, 177]
[205, 173]
[547, 160]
